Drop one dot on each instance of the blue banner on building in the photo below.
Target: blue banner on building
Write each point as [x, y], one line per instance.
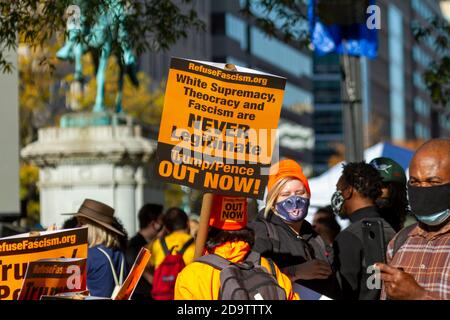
[344, 27]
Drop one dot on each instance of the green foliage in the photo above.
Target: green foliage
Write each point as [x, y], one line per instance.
[29, 175]
[152, 24]
[140, 102]
[36, 78]
[286, 19]
[173, 195]
[437, 76]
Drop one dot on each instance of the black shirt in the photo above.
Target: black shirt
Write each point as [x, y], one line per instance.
[351, 255]
[143, 288]
[293, 249]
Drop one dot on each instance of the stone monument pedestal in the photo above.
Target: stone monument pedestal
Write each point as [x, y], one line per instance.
[106, 160]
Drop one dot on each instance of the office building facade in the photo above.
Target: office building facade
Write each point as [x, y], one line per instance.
[395, 102]
[236, 39]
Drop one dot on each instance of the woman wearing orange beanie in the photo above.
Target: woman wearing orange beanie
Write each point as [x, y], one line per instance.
[283, 234]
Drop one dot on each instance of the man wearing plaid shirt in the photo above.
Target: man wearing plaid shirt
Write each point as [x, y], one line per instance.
[420, 268]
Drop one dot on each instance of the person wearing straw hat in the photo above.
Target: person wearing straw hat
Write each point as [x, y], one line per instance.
[106, 264]
[229, 240]
[283, 234]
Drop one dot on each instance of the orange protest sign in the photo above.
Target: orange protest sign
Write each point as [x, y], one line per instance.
[127, 289]
[218, 127]
[53, 276]
[17, 251]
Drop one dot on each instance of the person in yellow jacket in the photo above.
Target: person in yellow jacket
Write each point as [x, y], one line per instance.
[231, 239]
[176, 223]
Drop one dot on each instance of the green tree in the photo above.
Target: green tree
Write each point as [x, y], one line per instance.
[152, 24]
[139, 102]
[36, 93]
[29, 193]
[285, 19]
[437, 76]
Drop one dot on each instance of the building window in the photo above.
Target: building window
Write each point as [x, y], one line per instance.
[421, 57]
[298, 29]
[296, 99]
[396, 73]
[280, 54]
[218, 23]
[422, 9]
[418, 80]
[328, 63]
[236, 29]
[328, 122]
[236, 62]
[295, 136]
[421, 107]
[421, 131]
[445, 122]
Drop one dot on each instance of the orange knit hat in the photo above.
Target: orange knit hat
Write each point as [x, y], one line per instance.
[286, 168]
[228, 213]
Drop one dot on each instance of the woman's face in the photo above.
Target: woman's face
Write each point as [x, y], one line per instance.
[292, 188]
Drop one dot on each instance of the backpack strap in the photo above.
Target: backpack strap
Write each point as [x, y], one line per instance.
[119, 281]
[254, 257]
[164, 246]
[401, 238]
[220, 263]
[272, 268]
[186, 246]
[273, 235]
[214, 261]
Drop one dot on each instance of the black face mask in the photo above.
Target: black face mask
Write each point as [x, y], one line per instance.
[383, 203]
[426, 201]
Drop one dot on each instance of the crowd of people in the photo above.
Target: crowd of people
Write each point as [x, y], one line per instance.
[397, 245]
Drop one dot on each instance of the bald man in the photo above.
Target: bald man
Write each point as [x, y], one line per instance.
[419, 256]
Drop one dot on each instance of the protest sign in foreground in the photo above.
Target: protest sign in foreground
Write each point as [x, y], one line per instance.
[17, 251]
[53, 276]
[218, 127]
[127, 289]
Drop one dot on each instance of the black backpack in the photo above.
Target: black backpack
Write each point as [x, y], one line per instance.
[247, 280]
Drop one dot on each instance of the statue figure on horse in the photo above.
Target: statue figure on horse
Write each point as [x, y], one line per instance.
[106, 35]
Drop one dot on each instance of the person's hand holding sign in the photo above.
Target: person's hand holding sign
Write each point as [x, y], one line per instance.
[400, 285]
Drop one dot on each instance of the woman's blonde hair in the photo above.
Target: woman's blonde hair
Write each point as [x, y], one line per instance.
[98, 235]
[273, 194]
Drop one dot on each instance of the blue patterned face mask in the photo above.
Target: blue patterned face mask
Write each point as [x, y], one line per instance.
[293, 209]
